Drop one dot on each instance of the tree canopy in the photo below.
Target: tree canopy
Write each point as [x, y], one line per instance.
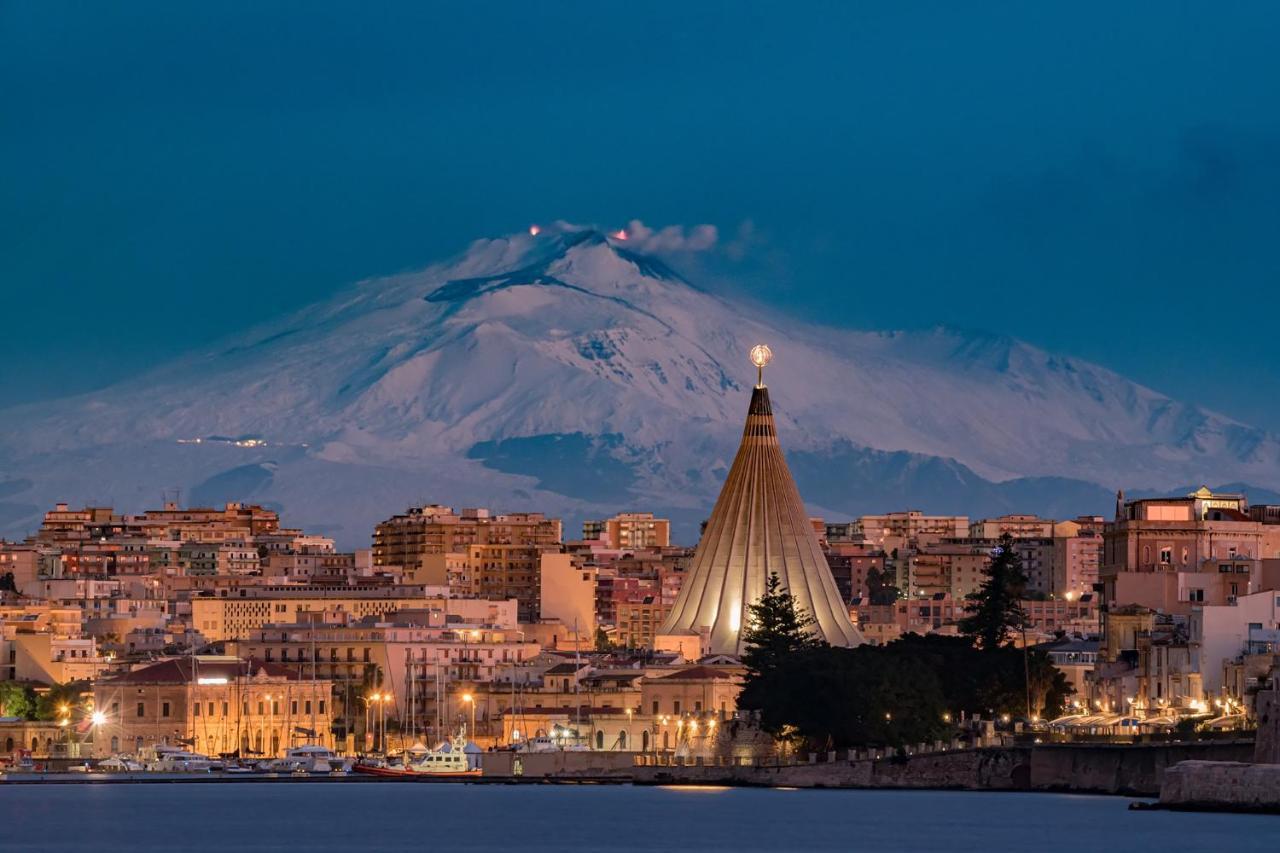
[838, 697]
[880, 587]
[903, 692]
[58, 696]
[995, 610]
[17, 700]
[776, 629]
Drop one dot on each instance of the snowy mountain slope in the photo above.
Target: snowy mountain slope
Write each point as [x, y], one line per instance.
[567, 372]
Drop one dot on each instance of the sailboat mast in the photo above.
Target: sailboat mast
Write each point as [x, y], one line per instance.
[194, 682]
[413, 733]
[314, 700]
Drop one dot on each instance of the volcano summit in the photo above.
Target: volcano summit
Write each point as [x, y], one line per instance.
[566, 372]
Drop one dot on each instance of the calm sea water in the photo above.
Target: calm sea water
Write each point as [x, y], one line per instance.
[352, 816]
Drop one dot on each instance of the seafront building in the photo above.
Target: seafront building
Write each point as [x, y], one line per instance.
[216, 705]
[1170, 554]
[1191, 587]
[419, 663]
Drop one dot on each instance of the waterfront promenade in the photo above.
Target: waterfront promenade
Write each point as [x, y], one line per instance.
[1130, 770]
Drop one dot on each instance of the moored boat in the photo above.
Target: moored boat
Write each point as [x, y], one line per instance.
[120, 764]
[450, 759]
[175, 760]
[308, 760]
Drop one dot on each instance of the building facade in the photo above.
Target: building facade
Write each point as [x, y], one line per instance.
[213, 705]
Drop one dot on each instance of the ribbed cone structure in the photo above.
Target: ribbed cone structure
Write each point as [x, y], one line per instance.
[758, 527]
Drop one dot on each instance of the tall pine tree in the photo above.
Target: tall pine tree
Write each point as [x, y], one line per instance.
[776, 628]
[995, 610]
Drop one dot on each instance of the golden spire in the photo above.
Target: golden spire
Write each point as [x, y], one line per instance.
[758, 527]
[760, 356]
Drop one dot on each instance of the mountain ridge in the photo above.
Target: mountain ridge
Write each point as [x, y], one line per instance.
[455, 384]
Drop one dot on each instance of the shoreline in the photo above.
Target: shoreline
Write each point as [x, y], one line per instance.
[1206, 806]
[1134, 771]
[215, 779]
[1137, 801]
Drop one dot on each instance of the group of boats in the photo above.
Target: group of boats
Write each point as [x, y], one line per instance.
[455, 757]
[305, 760]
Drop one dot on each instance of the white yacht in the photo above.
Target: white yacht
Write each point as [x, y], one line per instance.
[543, 743]
[171, 759]
[308, 759]
[120, 764]
[538, 743]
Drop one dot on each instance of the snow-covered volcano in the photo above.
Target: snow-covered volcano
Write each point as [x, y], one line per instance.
[567, 373]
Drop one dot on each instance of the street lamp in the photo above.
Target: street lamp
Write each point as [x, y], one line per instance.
[96, 719]
[382, 717]
[471, 700]
[368, 700]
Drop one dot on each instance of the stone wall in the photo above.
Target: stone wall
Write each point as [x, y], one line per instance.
[973, 769]
[970, 769]
[1133, 770]
[1222, 785]
[1267, 750]
[559, 764]
[1121, 769]
[1228, 784]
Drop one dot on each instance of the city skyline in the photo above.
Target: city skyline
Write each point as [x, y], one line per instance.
[594, 423]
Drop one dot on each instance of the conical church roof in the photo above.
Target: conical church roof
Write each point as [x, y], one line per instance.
[758, 527]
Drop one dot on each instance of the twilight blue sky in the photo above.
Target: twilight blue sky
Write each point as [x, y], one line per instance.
[1098, 180]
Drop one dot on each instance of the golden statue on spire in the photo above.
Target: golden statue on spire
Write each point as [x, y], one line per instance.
[758, 528]
[760, 356]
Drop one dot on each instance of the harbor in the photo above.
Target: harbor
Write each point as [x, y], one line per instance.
[570, 818]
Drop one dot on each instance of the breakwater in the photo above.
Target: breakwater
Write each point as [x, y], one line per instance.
[1222, 786]
[1130, 769]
